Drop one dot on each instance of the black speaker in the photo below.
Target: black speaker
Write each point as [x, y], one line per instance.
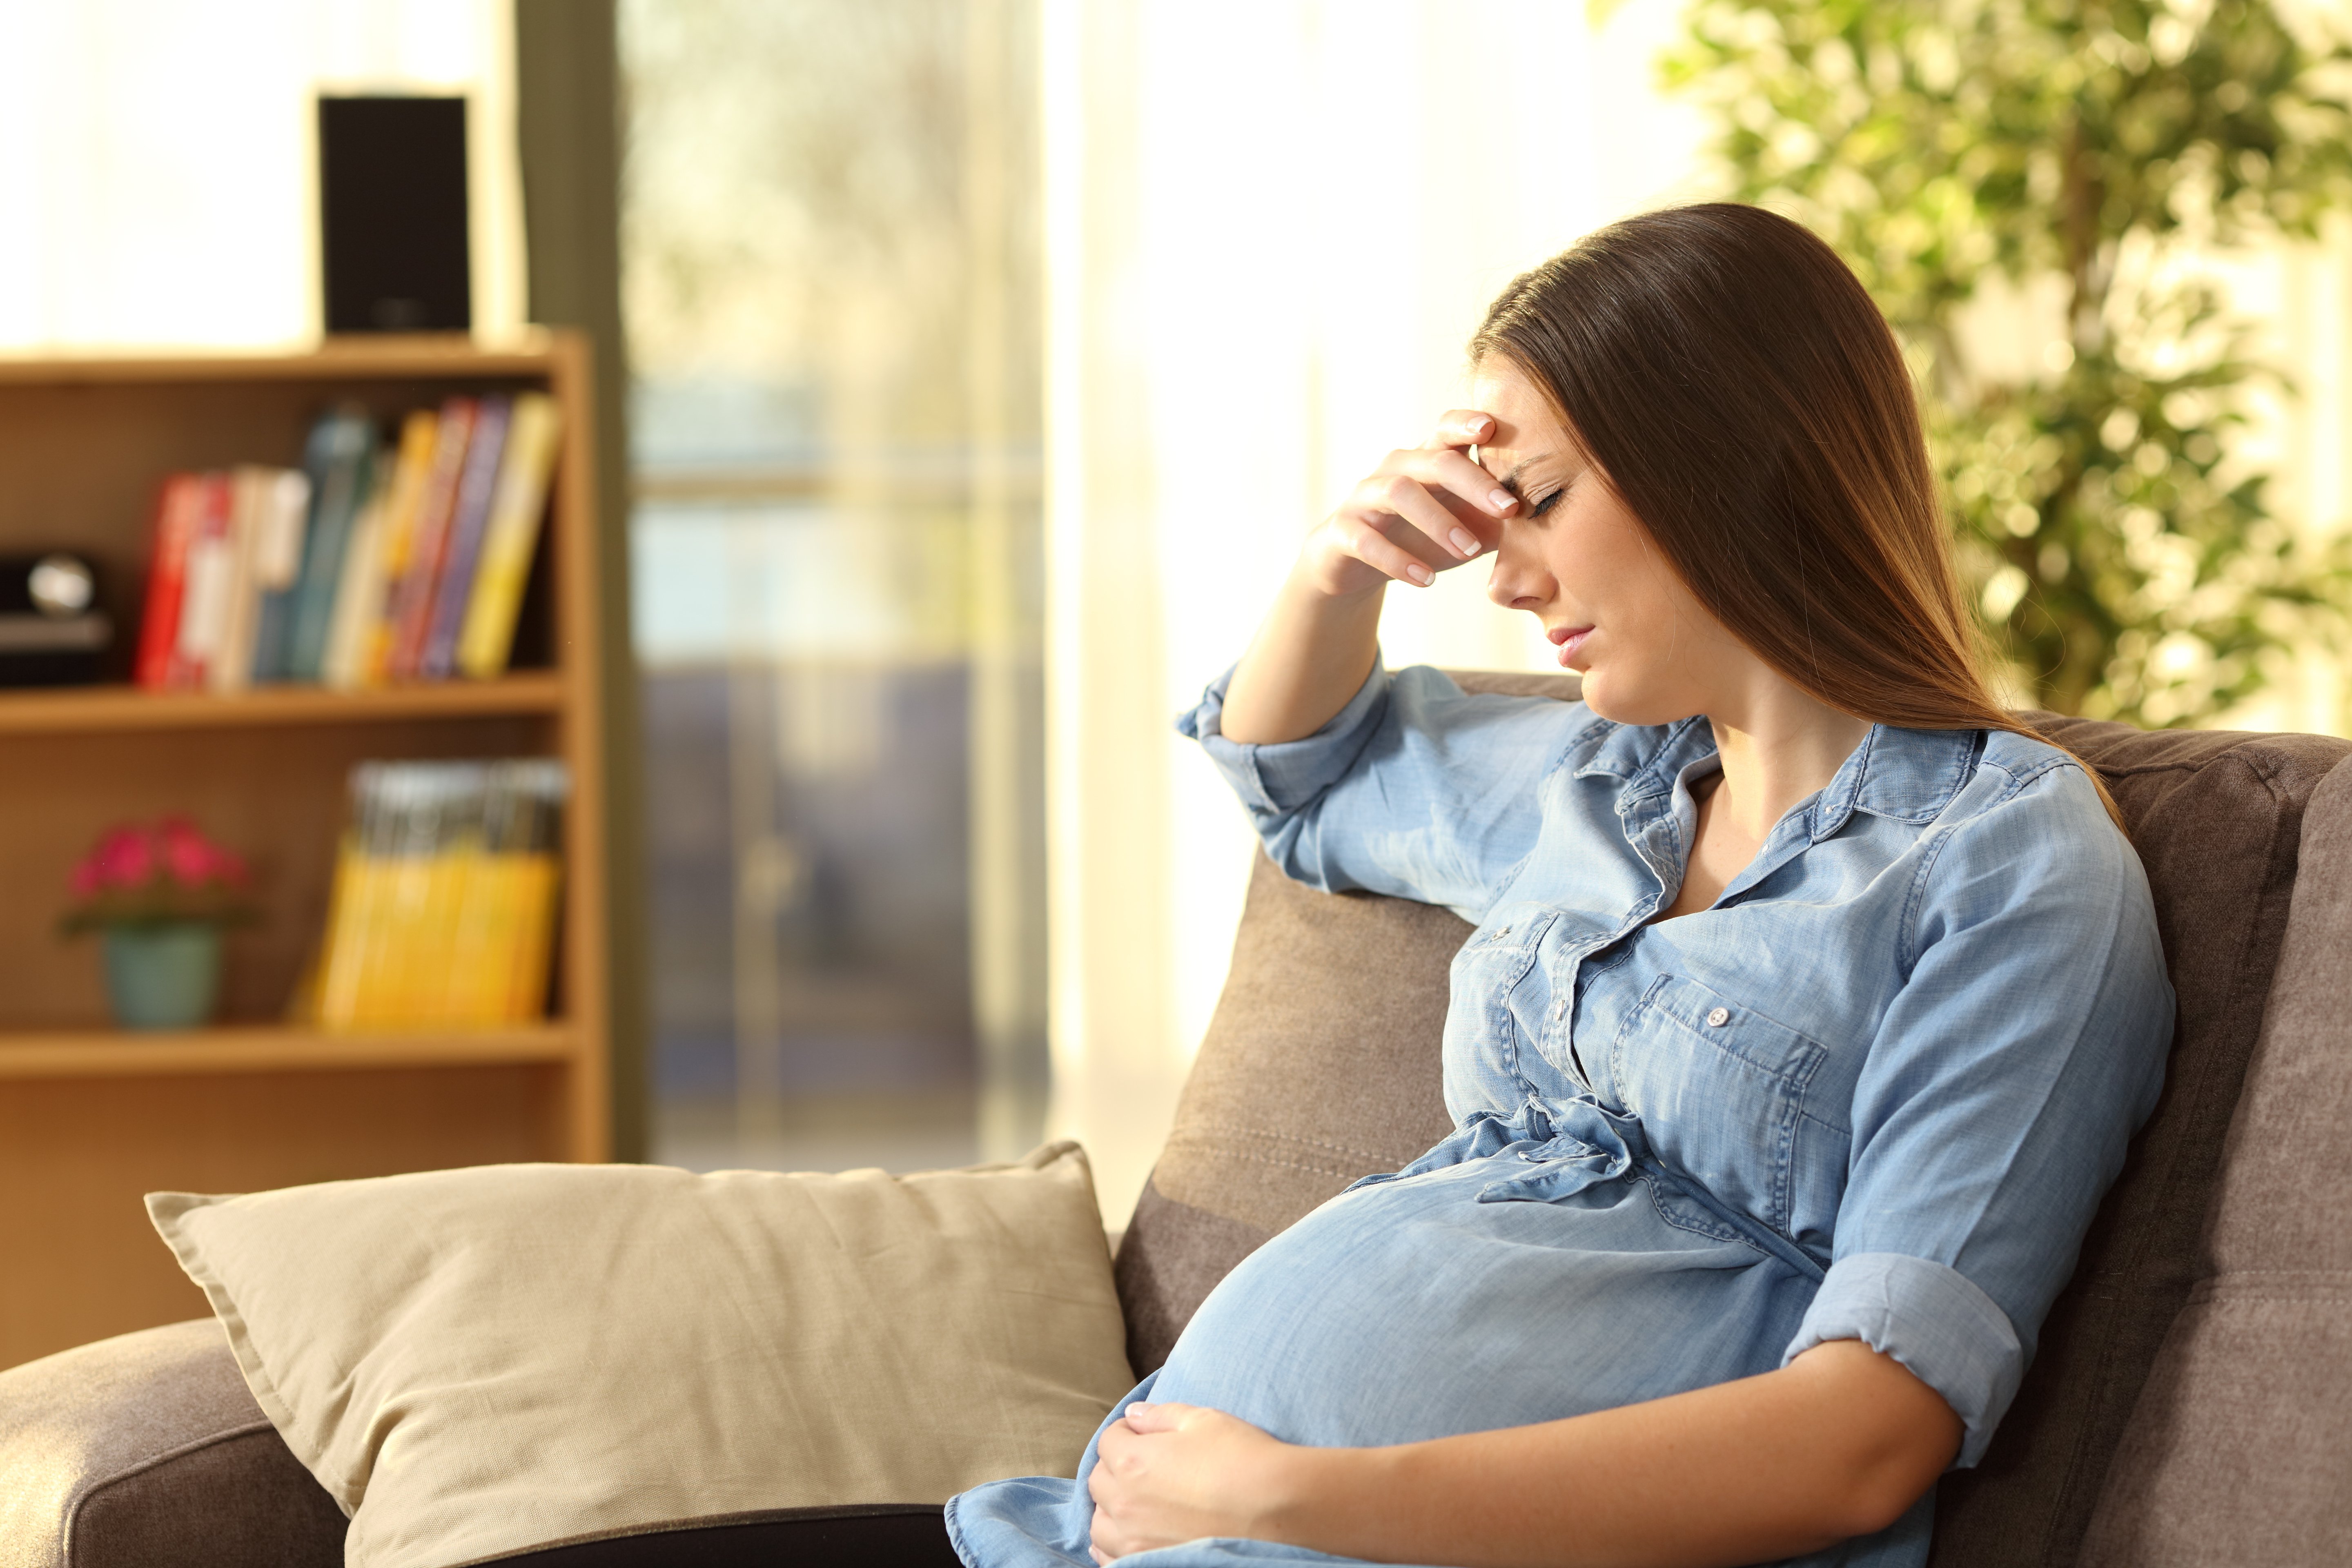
[392, 212]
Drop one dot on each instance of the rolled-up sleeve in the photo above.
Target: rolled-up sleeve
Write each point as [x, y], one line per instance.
[1415, 788]
[1274, 780]
[1993, 1110]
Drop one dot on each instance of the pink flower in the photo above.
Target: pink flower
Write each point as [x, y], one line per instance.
[192, 859]
[171, 851]
[124, 859]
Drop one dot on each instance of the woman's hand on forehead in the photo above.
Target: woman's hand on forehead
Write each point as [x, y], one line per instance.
[1424, 510]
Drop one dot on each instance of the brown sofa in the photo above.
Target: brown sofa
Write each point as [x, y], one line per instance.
[2191, 1403]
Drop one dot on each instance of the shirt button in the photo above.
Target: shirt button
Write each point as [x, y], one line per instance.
[1719, 1017]
[1560, 1009]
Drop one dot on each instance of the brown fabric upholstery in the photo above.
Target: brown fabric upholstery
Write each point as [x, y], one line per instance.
[1331, 1020]
[146, 1451]
[2240, 1450]
[2217, 819]
[1320, 1066]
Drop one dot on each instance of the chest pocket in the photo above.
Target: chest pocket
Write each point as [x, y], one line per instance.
[1720, 1089]
[1489, 1047]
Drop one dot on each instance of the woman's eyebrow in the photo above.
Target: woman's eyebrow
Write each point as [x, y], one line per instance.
[1510, 481]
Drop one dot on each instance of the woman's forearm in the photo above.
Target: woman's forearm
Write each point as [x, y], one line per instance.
[1837, 1444]
[1310, 656]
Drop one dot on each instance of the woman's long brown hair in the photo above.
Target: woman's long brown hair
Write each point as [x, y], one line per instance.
[1735, 385]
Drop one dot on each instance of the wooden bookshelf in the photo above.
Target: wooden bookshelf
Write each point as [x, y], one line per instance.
[91, 1118]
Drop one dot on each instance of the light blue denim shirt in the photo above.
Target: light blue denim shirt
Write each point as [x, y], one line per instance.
[1874, 1091]
[1910, 1040]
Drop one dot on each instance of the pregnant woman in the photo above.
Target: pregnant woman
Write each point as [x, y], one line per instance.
[1812, 1002]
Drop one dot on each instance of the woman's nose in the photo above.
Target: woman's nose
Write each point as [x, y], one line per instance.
[1514, 585]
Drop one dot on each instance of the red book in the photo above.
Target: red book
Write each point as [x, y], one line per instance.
[409, 615]
[179, 512]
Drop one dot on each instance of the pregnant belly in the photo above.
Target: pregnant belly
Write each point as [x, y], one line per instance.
[1409, 1309]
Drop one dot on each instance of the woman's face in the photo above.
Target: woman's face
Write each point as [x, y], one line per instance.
[1576, 558]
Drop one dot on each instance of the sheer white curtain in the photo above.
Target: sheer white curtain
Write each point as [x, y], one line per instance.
[1271, 227]
[157, 183]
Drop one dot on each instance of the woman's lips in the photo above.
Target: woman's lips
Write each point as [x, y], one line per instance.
[1569, 639]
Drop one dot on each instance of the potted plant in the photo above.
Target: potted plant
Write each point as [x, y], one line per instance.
[158, 895]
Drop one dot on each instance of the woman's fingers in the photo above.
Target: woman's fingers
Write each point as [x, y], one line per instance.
[1462, 428]
[1450, 532]
[1466, 490]
[1450, 508]
[1359, 534]
[1144, 1417]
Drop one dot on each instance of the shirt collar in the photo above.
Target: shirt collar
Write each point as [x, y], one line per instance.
[1907, 775]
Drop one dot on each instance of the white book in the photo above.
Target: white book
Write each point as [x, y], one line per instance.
[231, 666]
[278, 548]
[265, 507]
[204, 599]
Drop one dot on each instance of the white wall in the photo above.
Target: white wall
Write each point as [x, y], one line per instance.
[157, 160]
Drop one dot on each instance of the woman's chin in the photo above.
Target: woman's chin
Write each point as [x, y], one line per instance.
[1608, 699]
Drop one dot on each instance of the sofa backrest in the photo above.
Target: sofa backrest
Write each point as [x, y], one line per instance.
[2240, 1450]
[1320, 1065]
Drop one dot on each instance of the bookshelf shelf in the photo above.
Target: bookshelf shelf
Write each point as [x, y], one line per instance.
[111, 709]
[360, 358]
[91, 1118]
[106, 1053]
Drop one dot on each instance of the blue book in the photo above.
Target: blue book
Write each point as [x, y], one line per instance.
[338, 460]
[477, 487]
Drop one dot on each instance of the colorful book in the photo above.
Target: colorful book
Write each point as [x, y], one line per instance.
[359, 597]
[420, 436]
[409, 611]
[488, 638]
[468, 524]
[204, 594]
[179, 514]
[230, 668]
[337, 459]
[281, 524]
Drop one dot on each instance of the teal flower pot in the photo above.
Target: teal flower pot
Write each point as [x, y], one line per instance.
[163, 976]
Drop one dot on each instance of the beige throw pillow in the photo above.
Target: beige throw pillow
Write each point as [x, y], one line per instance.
[477, 1362]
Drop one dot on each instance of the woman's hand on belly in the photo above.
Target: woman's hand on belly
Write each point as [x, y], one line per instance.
[1838, 1443]
[1166, 1473]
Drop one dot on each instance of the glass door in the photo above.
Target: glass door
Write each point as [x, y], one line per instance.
[830, 279]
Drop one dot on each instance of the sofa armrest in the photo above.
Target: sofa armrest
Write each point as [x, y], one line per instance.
[147, 1451]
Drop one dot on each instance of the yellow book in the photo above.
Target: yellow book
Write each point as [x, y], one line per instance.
[445, 900]
[419, 433]
[486, 638]
[355, 919]
[533, 880]
[339, 963]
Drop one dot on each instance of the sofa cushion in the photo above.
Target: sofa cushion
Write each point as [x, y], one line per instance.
[147, 1451]
[1357, 985]
[2240, 1450]
[479, 1362]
